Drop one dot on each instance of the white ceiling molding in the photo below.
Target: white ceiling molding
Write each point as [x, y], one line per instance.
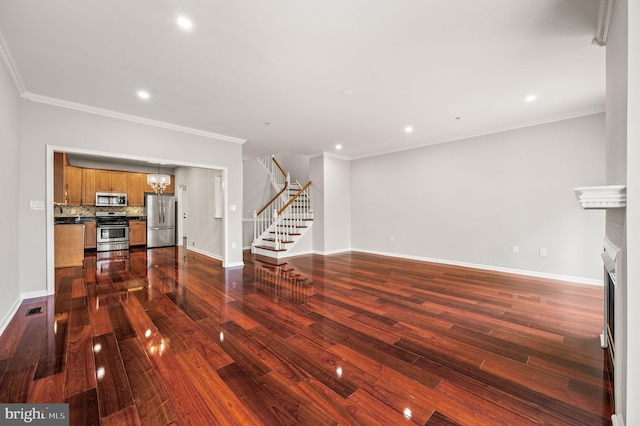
[604, 17]
[127, 117]
[8, 63]
[329, 154]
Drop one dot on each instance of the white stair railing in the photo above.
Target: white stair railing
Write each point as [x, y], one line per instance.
[286, 213]
[275, 171]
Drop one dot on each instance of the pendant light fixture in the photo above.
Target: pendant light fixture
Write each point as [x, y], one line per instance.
[157, 181]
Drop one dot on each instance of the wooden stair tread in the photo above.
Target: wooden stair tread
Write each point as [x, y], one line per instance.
[270, 248]
[273, 240]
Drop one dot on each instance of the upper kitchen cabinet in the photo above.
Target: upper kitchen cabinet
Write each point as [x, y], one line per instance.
[171, 188]
[67, 180]
[88, 187]
[137, 185]
[111, 181]
[59, 160]
[73, 184]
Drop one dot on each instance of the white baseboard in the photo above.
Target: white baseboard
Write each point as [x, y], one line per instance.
[569, 279]
[205, 253]
[330, 252]
[616, 420]
[16, 305]
[34, 294]
[7, 318]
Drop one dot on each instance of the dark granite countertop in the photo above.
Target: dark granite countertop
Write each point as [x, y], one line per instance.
[73, 220]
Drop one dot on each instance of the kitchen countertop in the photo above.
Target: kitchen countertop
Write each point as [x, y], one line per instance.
[72, 220]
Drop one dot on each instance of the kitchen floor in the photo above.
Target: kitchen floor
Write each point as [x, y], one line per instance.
[167, 336]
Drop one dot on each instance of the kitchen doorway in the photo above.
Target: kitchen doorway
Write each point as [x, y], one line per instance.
[183, 214]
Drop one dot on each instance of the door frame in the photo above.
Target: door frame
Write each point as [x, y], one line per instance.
[49, 213]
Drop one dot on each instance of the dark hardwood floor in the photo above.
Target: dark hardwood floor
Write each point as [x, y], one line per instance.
[170, 337]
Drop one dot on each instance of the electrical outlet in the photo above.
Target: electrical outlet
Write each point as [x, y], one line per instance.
[543, 252]
[515, 249]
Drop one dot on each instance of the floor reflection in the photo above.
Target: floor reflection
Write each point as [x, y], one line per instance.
[283, 282]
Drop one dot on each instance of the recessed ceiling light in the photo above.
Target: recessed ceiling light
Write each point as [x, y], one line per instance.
[338, 146]
[346, 92]
[530, 98]
[143, 94]
[184, 22]
[408, 129]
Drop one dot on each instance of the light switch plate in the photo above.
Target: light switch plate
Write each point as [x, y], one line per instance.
[36, 205]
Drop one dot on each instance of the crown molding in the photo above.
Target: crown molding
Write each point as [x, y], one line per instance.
[329, 154]
[127, 117]
[562, 117]
[11, 69]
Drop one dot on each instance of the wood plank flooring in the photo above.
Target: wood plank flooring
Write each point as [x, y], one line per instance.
[168, 336]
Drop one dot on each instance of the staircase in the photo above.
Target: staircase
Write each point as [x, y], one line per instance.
[283, 221]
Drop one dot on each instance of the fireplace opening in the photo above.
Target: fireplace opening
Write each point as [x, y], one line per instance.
[611, 258]
[610, 292]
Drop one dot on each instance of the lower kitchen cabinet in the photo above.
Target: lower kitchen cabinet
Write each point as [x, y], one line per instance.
[69, 245]
[90, 236]
[137, 232]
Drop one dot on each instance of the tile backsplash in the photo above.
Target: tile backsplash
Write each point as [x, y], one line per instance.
[72, 210]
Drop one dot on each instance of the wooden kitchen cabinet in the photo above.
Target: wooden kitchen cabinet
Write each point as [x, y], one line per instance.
[88, 187]
[137, 232]
[59, 160]
[171, 188]
[90, 236]
[73, 185]
[111, 181]
[67, 180]
[136, 185]
[69, 245]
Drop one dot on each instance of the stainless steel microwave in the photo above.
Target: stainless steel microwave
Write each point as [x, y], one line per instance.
[110, 199]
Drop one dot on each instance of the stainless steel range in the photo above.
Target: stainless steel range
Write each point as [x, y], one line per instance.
[112, 231]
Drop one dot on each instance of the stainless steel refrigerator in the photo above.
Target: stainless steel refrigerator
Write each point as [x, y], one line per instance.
[161, 220]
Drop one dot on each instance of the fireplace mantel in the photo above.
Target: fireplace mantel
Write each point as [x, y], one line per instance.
[602, 197]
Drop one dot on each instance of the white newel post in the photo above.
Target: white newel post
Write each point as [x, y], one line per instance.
[276, 243]
[255, 226]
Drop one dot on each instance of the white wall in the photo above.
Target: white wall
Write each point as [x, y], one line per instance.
[470, 201]
[337, 204]
[317, 193]
[9, 143]
[297, 165]
[633, 211]
[616, 164]
[205, 230]
[331, 203]
[257, 192]
[623, 226]
[43, 125]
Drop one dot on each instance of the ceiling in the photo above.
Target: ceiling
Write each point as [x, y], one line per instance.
[302, 76]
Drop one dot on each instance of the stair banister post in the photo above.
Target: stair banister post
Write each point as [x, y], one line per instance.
[255, 225]
[276, 243]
